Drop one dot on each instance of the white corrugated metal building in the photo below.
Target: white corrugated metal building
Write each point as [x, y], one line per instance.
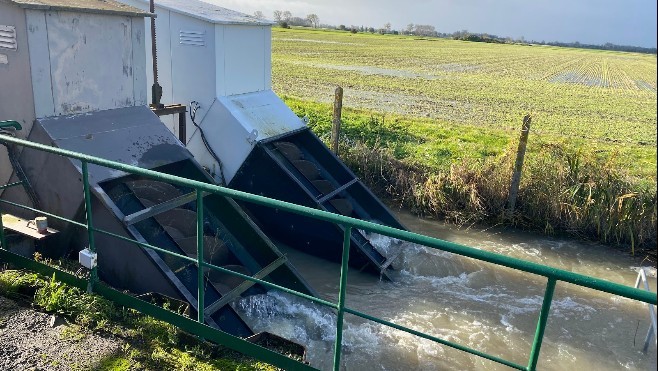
[222, 60]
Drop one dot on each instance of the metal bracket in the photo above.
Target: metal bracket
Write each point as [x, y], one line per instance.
[253, 137]
[244, 286]
[337, 191]
[390, 261]
[160, 208]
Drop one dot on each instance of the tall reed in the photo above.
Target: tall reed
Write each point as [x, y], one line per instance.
[563, 190]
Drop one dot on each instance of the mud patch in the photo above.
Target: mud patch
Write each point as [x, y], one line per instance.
[571, 77]
[404, 104]
[643, 85]
[369, 70]
[317, 41]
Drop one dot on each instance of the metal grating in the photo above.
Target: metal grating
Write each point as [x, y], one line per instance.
[8, 37]
[194, 38]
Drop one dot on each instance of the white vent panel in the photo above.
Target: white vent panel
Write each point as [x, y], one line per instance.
[8, 37]
[193, 38]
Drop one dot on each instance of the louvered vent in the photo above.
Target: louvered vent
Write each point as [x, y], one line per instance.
[194, 38]
[8, 37]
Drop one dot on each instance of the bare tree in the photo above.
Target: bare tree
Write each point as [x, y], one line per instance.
[298, 21]
[287, 16]
[410, 28]
[258, 14]
[425, 30]
[387, 27]
[278, 15]
[313, 19]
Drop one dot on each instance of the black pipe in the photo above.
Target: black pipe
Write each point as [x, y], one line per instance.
[156, 89]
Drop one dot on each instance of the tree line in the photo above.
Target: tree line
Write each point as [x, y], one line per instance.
[286, 19]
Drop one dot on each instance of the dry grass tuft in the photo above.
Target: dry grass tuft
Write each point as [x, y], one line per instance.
[562, 191]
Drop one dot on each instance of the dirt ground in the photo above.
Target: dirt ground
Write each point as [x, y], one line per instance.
[31, 340]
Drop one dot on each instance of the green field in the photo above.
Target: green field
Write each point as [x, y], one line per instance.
[455, 99]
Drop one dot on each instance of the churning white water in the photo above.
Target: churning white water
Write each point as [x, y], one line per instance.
[485, 307]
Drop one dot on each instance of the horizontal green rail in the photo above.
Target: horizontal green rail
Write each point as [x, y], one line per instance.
[50, 215]
[10, 124]
[552, 274]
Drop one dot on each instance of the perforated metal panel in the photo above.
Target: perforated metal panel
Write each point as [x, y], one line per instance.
[194, 38]
[8, 37]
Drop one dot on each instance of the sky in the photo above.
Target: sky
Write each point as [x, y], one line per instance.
[623, 22]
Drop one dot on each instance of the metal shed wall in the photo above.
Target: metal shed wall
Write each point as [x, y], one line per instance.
[234, 58]
[243, 59]
[16, 99]
[68, 62]
[192, 57]
[86, 62]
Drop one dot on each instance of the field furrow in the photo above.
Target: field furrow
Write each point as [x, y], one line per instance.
[588, 96]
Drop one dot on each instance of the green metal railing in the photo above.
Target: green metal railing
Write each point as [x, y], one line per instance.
[553, 275]
[10, 124]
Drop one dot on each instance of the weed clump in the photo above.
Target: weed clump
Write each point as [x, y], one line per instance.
[87, 310]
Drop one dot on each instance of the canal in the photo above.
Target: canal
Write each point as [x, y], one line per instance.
[477, 304]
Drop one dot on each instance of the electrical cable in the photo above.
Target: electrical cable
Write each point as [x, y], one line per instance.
[194, 106]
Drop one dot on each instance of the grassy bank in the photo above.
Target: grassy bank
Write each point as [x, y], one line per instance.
[149, 344]
[462, 174]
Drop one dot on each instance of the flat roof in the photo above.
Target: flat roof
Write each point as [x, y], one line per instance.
[86, 6]
[210, 12]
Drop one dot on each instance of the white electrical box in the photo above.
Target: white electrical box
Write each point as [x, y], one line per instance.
[88, 259]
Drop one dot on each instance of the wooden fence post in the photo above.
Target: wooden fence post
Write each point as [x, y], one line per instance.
[335, 129]
[518, 166]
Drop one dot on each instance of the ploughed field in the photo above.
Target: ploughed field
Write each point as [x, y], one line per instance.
[454, 99]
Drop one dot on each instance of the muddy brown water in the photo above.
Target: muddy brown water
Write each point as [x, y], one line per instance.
[476, 304]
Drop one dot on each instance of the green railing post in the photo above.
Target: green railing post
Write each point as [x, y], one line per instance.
[93, 277]
[341, 297]
[3, 243]
[541, 324]
[199, 256]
